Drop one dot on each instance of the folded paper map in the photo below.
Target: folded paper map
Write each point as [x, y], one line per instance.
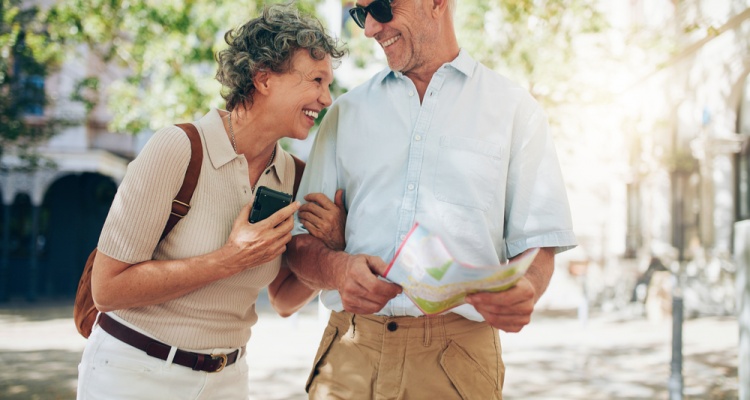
[435, 282]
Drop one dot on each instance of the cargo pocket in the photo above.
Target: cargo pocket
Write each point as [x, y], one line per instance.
[467, 375]
[325, 344]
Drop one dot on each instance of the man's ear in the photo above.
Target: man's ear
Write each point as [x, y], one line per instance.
[262, 82]
[439, 7]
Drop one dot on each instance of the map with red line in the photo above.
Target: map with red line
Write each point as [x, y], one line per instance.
[436, 282]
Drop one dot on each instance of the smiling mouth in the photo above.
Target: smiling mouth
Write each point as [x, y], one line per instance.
[310, 113]
[390, 41]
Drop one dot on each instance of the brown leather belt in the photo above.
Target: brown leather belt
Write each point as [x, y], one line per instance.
[155, 348]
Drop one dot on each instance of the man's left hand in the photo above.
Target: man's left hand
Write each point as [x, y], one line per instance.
[510, 310]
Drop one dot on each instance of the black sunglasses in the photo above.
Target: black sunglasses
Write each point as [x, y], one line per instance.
[379, 9]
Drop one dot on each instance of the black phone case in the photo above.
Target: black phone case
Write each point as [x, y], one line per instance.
[267, 202]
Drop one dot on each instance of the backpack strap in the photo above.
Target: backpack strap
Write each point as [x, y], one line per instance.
[181, 202]
[84, 310]
[299, 168]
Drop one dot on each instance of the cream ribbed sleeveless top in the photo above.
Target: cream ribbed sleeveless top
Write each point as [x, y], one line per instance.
[222, 313]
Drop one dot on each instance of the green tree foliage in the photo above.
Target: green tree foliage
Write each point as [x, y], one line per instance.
[531, 41]
[163, 51]
[159, 54]
[548, 46]
[27, 53]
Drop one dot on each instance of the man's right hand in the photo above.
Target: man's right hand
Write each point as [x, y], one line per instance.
[362, 292]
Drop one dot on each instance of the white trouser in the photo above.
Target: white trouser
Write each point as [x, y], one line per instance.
[111, 369]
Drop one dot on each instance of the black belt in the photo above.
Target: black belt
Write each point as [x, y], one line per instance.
[155, 348]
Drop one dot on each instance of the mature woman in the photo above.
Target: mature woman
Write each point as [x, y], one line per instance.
[187, 303]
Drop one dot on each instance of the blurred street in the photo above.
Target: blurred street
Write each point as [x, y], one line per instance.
[556, 357]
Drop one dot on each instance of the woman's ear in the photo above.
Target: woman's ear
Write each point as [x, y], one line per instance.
[262, 82]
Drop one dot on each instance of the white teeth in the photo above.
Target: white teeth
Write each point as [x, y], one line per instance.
[390, 41]
[311, 114]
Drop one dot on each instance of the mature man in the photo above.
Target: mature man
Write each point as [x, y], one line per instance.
[438, 139]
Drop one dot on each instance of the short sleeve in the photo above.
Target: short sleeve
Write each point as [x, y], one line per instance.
[320, 174]
[537, 212]
[143, 201]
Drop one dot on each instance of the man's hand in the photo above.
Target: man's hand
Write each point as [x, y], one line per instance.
[362, 292]
[510, 310]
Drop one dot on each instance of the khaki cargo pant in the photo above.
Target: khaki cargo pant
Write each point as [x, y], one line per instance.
[422, 358]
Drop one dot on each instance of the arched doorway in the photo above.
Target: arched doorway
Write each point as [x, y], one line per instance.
[71, 217]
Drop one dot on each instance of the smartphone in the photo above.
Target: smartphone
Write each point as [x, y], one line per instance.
[267, 202]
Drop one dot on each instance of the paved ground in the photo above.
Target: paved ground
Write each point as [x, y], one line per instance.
[556, 357]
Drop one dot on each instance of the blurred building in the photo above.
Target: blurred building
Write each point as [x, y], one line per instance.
[51, 217]
[656, 156]
[687, 123]
[692, 122]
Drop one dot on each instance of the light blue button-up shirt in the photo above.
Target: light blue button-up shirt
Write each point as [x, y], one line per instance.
[474, 163]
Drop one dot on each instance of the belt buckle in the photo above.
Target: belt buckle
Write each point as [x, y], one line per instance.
[223, 358]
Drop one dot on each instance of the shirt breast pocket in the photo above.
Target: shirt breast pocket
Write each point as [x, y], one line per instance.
[468, 171]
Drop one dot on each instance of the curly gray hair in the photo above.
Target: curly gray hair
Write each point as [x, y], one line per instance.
[268, 43]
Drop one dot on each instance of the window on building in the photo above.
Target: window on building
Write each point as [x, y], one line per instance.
[29, 80]
[32, 94]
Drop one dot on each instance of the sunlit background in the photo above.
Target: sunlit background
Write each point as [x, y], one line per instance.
[648, 101]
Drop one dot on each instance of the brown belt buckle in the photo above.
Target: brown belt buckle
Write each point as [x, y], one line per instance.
[223, 358]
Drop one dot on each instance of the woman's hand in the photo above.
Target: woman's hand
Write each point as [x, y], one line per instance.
[324, 219]
[117, 285]
[255, 244]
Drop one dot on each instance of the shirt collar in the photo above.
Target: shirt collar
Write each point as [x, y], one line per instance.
[219, 147]
[280, 161]
[462, 63]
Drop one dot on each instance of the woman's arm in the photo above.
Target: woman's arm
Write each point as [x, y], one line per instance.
[287, 293]
[324, 219]
[117, 285]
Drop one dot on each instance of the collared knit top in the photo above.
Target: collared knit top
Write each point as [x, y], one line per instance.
[221, 314]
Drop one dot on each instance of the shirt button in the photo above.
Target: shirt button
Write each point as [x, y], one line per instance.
[411, 94]
[402, 237]
[411, 186]
[418, 138]
[392, 326]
